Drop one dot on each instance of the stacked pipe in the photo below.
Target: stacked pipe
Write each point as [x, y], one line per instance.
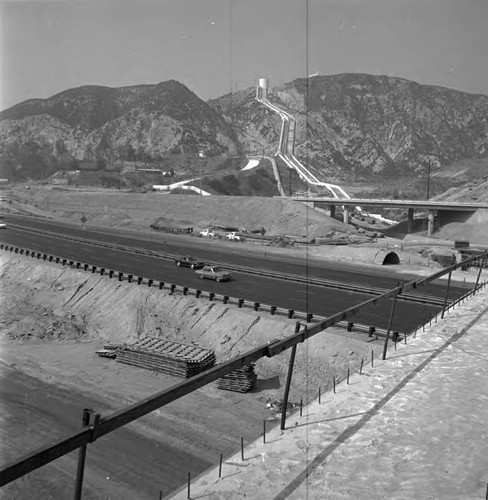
[240, 380]
[167, 356]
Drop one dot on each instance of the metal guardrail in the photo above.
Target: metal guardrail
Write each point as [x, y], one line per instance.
[95, 427]
[225, 299]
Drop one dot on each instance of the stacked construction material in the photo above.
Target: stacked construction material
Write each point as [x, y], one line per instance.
[106, 353]
[240, 380]
[167, 356]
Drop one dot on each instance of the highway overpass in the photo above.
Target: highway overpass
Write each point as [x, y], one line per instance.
[442, 211]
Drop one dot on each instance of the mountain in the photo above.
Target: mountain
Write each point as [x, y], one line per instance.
[358, 125]
[143, 122]
[349, 127]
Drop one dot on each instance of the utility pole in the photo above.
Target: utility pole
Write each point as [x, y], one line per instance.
[428, 180]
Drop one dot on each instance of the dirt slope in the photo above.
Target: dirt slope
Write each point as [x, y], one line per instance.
[140, 210]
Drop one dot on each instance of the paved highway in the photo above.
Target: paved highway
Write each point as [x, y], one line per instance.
[289, 295]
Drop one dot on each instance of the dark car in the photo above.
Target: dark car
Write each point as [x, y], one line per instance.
[189, 262]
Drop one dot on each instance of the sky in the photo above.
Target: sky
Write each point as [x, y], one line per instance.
[217, 46]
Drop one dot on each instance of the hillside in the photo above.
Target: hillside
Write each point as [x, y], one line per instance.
[107, 125]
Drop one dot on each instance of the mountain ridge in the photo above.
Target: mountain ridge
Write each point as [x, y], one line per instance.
[349, 126]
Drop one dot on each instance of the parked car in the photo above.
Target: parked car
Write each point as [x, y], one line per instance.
[187, 261]
[3, 225]
[206, 233]
[234, 236]
[214, 273]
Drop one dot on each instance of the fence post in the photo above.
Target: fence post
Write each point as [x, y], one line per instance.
[390, 321]
[90, 417]
[482, 264]
[447, 294]
[288, 381]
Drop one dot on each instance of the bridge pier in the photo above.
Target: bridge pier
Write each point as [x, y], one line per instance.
[410, 221]
[332, 211]
[430, 222]
[346, 215]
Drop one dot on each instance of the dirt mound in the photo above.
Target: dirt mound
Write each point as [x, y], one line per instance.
[140, 210]
[473, 230]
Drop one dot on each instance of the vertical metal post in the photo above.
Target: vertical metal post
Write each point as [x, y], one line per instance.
[89, 418]
[287, 387]
[482, 264]
[390, 321]
[447, 294]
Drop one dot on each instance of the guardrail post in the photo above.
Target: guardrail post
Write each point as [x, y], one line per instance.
[447, 294]
[272, 310]
[291, 312]
[71, 263]
[371, 330]
[63, 262]
[225, 299]
[50, 258]
[57, 260]
[129, 278]
[44, 257]
[211, 296]
[185, 290]
[139, 280]
[309, 317]
[149, 283]
[94, 268]
[350, 324]
[173, 288]
[240, 303]
[85, 267]
[120, 276]
[161, 285]
[198, 293]
[110, 273]
[256, 306]
[102, 271]
[90, 417]
[390, 321]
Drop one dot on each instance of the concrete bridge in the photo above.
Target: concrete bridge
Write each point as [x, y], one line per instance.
[441, 211]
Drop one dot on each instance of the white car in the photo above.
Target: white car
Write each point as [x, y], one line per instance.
[234, 236]
[3, 225]
[206, 233]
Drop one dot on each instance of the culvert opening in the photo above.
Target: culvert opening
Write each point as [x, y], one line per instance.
[391, 258]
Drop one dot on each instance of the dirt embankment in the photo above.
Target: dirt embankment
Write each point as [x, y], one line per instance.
[57, 306]
[140, 210]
